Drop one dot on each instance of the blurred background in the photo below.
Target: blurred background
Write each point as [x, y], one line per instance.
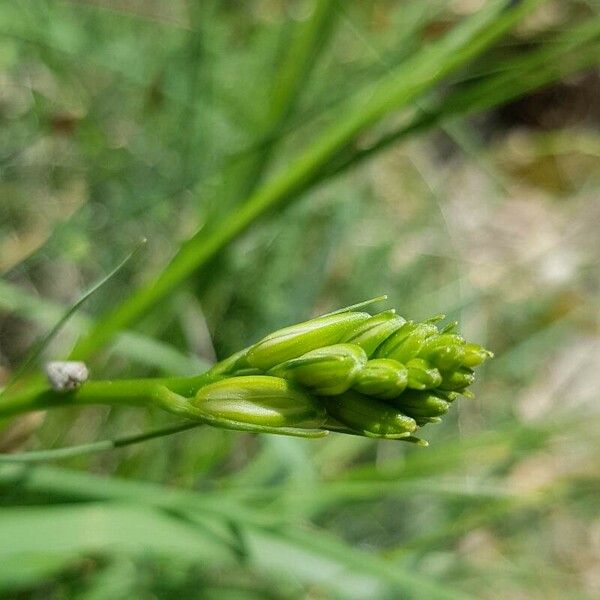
[123, 119]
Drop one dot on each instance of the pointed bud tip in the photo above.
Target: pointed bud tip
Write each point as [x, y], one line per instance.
[421, 375]
[435, 318]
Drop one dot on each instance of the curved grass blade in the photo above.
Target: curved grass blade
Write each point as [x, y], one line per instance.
[300, 54]
[401, 87]
[94, 447]
[41, 344]
[132, 345]
[569, 53]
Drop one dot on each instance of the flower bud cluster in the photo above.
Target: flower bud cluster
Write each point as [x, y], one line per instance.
[378, 376]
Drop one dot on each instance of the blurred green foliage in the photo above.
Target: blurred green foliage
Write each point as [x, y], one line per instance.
[122, 120]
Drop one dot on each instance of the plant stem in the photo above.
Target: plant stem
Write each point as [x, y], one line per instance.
[161, 392]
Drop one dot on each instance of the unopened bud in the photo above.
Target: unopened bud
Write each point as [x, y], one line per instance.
[405, 344]
[369, 416]
[394, 341]
[374, 331]
[422, 421]
[259, 400]
[421, 375]
[457, 380]
[297, 340]
[448, 396]
[382, 378]
[446, 352]
[451, 327]
[421, 404]
[474, 355]
[326, 371]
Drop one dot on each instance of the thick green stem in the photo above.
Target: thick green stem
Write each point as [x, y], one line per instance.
[126, 392]
[170, 394]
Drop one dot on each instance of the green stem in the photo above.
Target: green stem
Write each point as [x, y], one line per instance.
[171, 395]
[167, 393]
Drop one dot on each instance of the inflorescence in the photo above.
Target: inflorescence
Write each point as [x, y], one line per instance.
[377, 375]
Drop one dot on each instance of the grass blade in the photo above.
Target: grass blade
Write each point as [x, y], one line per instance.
[94, 447]
[301, 50]
[270, 546]
[133, 529]
[401, 87]
[410, 583]
[576, 50]
[41, 344]
[128, 344]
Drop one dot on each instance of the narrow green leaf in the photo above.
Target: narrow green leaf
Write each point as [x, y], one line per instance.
[103, 528]
[572, 51]
[41, 344]
[301, 49]
[94, 447]
[32, 569]
[74, 485]
[401, 579]
[129, 344]
[398, 89]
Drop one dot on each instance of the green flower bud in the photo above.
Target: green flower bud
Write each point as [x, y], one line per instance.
[326, 371]
[451, 327]
[297, 340]
[394, 341]
[421, 404]
[445, 352]
[422, 421]
[405, 344]
[247, 371]
[374, 331]
[457, 380]
[378, 376]
[446, 395]
[369, 415]
[382, 378]
[474, 355]
[259, 400]
[421, 375]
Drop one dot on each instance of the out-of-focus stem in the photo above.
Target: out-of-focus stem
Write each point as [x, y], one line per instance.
[396, 90]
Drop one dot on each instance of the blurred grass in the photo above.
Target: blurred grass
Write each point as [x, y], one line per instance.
[188, 121]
